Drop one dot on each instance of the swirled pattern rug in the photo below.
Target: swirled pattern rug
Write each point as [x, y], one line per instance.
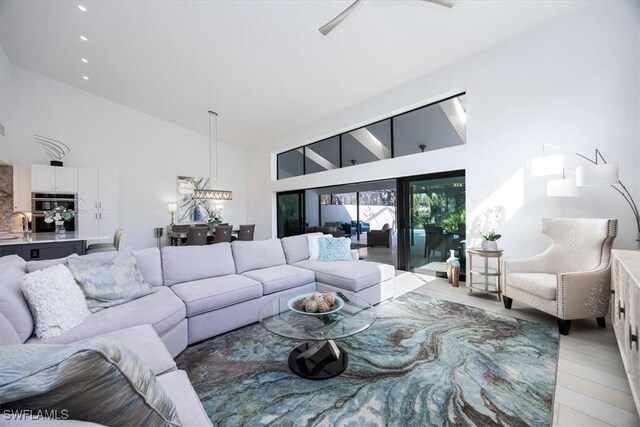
[424, 362]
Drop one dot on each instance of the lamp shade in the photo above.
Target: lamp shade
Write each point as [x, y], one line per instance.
[562, 188]
[545, 165]
[172, 207]
[602, 174]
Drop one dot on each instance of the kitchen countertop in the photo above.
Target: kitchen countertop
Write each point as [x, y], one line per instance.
[36, 238]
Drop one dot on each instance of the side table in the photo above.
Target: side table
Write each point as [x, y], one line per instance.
[485, 272]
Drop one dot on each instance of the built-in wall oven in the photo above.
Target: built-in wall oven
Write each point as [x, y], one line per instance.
[44, 202]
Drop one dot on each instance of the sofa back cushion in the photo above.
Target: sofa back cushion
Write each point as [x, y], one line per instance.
[8, 335]
[33, 266]
[256, 254]
[296, 248]
[12, 304]
[147, 260]
[187, 263]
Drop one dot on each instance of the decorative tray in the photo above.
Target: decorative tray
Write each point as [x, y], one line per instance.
[298, 303]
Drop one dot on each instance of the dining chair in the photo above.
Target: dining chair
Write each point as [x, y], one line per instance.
[432, 240]
[107, 247]
[197, 236]
[223, 234]
[246, 232]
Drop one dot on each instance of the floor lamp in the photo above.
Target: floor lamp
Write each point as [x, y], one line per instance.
[599, 172]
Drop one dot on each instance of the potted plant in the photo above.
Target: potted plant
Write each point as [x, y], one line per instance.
[59, 215]
[214, 217]
[490, 241]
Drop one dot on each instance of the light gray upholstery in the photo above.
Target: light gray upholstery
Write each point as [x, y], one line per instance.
[8, 335]
[353, 276]
[146, 343]
[178, 387]
[176, 339]
[46, 263]
[162, 309]
[542, 285]
[257, 254]
[147, 260]
[281, 277]
[12, 303]
[205, 295]
[296, 248]
[186, 263]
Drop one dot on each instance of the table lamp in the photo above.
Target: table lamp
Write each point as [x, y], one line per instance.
[172, 207]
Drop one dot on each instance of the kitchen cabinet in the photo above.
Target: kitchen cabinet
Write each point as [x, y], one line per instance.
[22, 188]
[97, 201]
[54, 179]
[94, 222]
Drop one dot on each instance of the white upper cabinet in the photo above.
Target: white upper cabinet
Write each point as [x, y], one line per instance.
[21, 188]
[53, 178]
[88, 189]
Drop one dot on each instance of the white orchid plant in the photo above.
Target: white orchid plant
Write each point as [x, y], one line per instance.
[215, 216]
[59, 213]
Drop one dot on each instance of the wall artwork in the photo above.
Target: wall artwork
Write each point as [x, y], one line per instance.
[190, 209]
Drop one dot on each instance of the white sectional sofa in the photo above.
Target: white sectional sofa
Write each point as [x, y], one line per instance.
[201, 292]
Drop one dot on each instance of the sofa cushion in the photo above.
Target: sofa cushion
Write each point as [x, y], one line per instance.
[281, 277]
[296, 248]
[96, 380]
[147, 260]
[33, 266]
[349, 275]
[8, 335]
[178, 387]
[187, 263]
[205, 295]
[145, 342]
[12, 304]
[256, 254]
[542, 285]
[335, 249]
[56, 301]
[162, 309]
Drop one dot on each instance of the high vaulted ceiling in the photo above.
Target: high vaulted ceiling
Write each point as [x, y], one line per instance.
[263, 65]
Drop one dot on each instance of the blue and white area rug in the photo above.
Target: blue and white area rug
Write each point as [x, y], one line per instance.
[424, 362]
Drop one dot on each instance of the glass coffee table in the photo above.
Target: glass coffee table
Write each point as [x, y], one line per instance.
[319, 357]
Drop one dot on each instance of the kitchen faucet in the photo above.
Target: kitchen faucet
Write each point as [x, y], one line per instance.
[25, 222]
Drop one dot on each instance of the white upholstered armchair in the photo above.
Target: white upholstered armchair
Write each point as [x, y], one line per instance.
[571, 279]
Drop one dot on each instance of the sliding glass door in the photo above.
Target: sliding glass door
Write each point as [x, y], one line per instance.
[290, 213]
[432, 221]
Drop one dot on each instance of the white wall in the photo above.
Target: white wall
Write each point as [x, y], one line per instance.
[5, 104]
[574, 83]
[148, 153]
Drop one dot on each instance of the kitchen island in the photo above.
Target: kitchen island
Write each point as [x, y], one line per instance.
[39, 246]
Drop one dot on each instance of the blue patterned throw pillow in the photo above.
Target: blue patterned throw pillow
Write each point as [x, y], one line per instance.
[335, 249]
[108, 284]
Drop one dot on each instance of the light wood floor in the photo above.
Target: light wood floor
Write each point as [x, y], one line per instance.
[591, 385]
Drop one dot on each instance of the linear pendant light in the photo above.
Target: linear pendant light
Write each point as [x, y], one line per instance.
[205, 194]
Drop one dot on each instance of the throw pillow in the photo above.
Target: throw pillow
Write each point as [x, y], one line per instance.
[335, 249]
[96, 380]
[314, 249]
[109, 284]
[56, 301]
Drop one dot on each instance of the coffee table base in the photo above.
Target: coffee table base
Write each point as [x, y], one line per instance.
[318, 360]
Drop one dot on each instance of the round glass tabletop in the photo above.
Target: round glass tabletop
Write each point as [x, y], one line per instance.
[355, 316]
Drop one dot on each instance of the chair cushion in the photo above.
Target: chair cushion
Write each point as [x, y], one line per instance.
[256, 254]
[12, 303]
[542, 285]
[205, 295]
[96, 380]
[161, 309]
[178, 387]
[349, 275]
[187, 263]
[281, 277]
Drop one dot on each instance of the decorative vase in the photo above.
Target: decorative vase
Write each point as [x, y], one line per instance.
[60, 228]
[489, 245]
[453, 269]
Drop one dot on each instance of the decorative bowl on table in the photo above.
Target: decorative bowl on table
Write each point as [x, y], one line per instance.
[316, 303]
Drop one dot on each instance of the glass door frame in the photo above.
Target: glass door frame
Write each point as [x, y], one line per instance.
[301, 211]
[403, 212]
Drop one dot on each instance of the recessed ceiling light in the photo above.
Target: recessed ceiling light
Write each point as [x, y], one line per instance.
[85, 60]
[85, 77]
[83, 38]
[82, 8]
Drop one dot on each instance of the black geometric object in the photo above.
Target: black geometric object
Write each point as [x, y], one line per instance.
[55, 163]
[321, 366]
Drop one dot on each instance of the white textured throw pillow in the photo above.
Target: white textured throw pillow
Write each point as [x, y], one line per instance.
[55, 299]
[314, 248]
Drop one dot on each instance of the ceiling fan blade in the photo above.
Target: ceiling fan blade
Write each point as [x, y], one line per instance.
[329, 26]
[445, 3]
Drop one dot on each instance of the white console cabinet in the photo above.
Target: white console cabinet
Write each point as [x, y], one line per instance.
[54, 179]
[625, 313]
[97, 201]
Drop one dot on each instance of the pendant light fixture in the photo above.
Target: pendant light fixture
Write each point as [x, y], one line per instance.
[206, 194]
